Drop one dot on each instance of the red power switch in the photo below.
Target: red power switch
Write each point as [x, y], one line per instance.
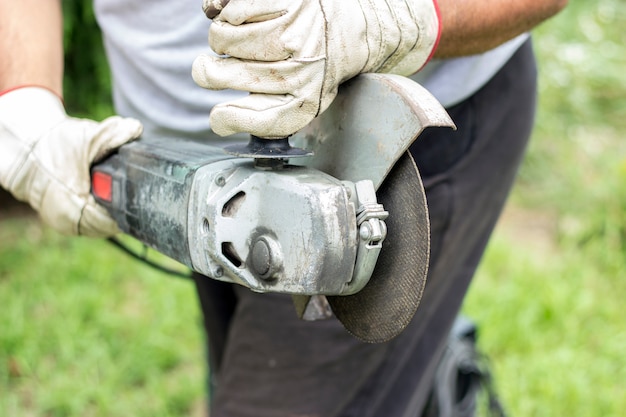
[102, 186]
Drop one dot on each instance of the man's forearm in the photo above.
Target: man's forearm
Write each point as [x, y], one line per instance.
[471, 27]
[31, 44]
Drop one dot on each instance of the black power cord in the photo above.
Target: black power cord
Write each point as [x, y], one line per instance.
[143, 257]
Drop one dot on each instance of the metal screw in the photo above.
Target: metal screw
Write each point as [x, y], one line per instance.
[220, 180]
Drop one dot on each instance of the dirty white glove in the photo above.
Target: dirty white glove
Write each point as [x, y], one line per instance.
[293, 54]
[45, 158]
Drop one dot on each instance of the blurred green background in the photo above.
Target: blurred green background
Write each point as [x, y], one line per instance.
[85, 331]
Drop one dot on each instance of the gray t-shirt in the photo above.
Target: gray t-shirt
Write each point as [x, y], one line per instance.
[152, 44]
[453, 80]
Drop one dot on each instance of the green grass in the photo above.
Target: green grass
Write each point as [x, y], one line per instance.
[553, 325]
[86, 331]
[550, 292]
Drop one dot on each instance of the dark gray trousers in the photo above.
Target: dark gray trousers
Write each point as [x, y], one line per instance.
[267, 363]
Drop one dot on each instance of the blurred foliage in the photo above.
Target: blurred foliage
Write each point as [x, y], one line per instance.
[549, 294]
[87, 82]
[578, 144]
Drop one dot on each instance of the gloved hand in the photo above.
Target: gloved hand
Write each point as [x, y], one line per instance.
[45, 158]
[293, 54]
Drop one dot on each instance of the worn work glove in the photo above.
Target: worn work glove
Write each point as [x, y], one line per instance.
[45, 158]
[293, 54]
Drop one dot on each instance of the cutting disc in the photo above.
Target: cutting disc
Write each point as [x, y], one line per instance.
[365, 134]
[386, 305]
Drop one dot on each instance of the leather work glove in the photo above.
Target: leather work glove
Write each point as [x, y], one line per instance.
[293, 54]
[45, 159]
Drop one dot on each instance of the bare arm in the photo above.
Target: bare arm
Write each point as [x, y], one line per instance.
[31, 44]
[471, 27]
[53, 178]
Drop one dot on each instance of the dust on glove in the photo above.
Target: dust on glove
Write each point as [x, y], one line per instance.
[292, 55]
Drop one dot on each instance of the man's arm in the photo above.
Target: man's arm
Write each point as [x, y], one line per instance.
[31, 43]
[292, 55]
[45, 155]
[471, 27]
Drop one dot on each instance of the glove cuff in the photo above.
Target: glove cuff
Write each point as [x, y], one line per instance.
[29, 111]
[408, 30]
